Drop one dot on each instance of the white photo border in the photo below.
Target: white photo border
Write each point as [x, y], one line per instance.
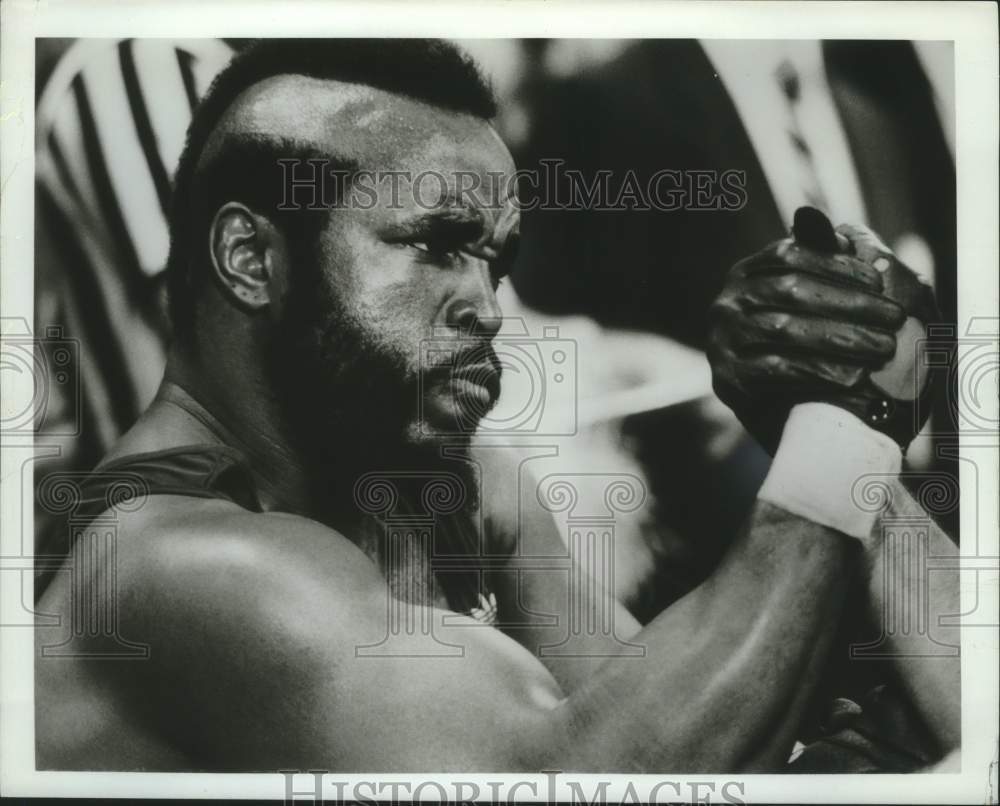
[972, 26]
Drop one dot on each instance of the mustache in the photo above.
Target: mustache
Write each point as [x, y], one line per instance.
[481, 355]
[478, 363]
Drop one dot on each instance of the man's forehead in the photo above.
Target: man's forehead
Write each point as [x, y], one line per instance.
[373, 127]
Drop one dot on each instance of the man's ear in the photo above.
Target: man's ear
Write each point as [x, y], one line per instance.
[247, 257]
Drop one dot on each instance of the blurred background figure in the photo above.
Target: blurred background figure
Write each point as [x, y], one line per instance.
[111, 118]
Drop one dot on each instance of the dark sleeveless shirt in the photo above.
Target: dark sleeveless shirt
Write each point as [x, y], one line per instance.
[211, 472]
[120, 485]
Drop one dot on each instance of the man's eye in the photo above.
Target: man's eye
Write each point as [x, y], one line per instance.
[435, 248]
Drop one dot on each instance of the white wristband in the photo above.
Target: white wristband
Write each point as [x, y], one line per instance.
[823, 452]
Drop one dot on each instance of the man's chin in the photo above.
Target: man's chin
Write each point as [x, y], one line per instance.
[453, 416]
[431, 431]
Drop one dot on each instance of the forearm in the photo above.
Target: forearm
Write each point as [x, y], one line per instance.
[727, 669]
[910, 601]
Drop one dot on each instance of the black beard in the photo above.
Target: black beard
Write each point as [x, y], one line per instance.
[350, 405]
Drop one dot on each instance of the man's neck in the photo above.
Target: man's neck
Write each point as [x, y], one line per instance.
[198, 414]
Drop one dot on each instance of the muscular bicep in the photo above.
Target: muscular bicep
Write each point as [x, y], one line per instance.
[307, 661]
[466, 698]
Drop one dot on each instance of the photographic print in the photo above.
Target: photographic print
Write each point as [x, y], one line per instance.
[593, 411]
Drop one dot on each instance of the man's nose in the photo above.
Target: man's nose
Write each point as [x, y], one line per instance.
[474, 309]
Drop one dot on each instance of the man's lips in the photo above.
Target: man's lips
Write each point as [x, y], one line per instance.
[477, 379]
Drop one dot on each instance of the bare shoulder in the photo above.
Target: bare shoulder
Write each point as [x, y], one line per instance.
[218, 559]
[223, 602]
[268, 646]
[189, 570]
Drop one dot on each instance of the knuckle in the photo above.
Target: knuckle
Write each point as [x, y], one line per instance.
[725, 307]
[778, 323]
[772, 364]
[786, 285]
[742, 269]
[794, 289]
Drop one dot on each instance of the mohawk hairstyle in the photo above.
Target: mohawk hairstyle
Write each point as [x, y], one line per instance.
[431, 71]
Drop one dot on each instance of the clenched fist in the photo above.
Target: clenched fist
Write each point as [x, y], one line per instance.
[825, 316]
